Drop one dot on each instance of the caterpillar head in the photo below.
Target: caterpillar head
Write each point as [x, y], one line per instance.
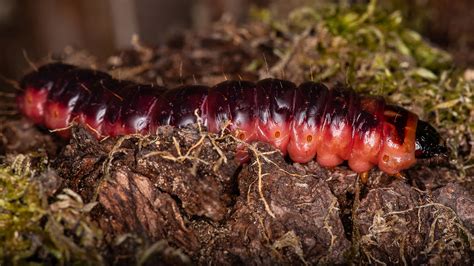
[428, 141]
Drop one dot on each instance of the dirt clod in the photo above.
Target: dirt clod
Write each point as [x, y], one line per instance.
[401, 224]
[305, 226]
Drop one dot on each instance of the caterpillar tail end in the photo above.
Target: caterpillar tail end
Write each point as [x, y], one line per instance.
[428, 143]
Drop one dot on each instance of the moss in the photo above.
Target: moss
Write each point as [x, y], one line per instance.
[33, 229]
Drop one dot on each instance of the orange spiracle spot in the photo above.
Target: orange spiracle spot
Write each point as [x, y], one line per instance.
[277, 134]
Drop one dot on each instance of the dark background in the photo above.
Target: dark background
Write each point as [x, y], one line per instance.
[32, 29]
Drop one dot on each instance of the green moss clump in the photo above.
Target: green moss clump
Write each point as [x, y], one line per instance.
[35, 230]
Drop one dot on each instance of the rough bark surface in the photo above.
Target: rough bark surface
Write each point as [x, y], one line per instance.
[185, 187]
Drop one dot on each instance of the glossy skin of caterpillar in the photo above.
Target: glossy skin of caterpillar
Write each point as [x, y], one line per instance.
[306, 121]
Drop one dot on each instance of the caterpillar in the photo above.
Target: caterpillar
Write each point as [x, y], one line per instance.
[305, 122]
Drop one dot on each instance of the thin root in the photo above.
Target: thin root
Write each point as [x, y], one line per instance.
[106, 166]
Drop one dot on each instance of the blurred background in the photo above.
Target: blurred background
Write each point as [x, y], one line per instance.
[31, 29]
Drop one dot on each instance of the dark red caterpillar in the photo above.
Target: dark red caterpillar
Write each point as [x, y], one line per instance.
[302, 121]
